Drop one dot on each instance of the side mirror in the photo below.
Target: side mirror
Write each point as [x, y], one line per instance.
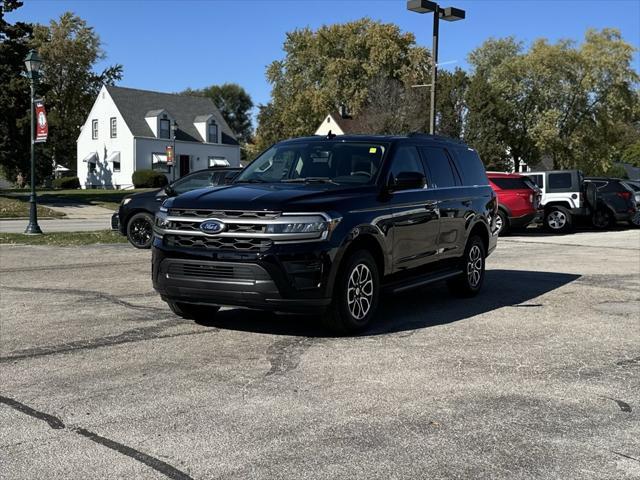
[169, 191]
[407, 181]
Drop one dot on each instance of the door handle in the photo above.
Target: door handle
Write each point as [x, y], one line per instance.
[466, 203]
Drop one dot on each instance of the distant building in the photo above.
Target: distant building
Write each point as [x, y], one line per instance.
[129, 129]
[341, 123]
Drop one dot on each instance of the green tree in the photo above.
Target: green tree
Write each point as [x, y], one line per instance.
[14, 94]
[631, 154]
[334, 65]
[451, 104]
[70, 50]
[235, 105]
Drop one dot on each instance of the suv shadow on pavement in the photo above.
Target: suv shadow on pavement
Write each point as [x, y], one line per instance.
[414, 310]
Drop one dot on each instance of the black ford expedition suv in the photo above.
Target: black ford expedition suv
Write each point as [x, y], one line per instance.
[328, 225]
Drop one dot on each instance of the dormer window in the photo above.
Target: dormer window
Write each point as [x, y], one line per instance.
[165, 128]
[213, 132]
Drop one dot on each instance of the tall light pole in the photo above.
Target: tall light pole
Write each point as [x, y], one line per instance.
[33, 62]
[450, 14]
[174, 132]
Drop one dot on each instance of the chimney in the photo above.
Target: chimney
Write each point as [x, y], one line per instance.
[342, 110]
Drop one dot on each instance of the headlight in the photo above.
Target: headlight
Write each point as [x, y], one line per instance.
[311, 227]
[125, 201]
[162, 219]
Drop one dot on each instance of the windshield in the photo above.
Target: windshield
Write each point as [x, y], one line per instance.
[316, 162]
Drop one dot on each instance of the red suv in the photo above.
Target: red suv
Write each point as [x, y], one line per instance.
[518, 200]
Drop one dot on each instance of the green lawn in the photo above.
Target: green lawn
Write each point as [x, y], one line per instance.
[63, 239]
[19, 207]
[103, 198]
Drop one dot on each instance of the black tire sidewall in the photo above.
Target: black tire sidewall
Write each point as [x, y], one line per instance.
[149, 218]
[346, 320]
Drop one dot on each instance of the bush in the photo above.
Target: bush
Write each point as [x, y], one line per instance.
[66, 183]
[148, 179]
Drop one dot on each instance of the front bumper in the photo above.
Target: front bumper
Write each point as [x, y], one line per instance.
[115, 222]
[292, 279]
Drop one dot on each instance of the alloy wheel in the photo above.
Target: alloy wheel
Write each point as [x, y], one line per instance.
[474, 266]
[557, 219]
[360, 291]
[140, 231]
[499, 224]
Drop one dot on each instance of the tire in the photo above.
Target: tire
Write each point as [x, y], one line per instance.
[469, 283]
[502, 223]
[602, 219]
[355, 295]
[140, 230]
[191, 311]
[558, 220]
[635, 220]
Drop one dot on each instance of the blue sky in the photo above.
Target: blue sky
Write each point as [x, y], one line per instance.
[168, 45]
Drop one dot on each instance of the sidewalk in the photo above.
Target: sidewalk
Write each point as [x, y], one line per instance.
[79, 218]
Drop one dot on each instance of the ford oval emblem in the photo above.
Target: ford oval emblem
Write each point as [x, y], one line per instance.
[212, 226]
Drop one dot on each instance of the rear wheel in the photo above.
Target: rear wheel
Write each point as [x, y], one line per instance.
[470, 281]
[355, 295]
[558, 220]
[635, 220]
[502, 223]
[140, 230]
[602, 219]
[191, 311]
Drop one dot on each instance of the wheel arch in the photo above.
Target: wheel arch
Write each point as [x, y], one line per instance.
[480, 229]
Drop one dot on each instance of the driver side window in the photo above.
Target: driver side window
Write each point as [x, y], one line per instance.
[191, 182]
[406, 159]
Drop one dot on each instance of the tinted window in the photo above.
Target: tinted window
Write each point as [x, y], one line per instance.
[537, 179]
[337, 161]
[510, 183]
[471, 167]
[610, 187]
[406, 159]
[559, 180]
[197, 180]
[440, 168]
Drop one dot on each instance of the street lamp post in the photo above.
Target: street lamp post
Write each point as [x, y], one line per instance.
[450, 14]
[33, 64]
[174, 131]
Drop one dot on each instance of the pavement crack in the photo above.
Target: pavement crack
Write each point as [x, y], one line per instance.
[85, 293]
[624, 406]
[629, 362]
[140, 334]
[284, 355]
[625, 456]
[72, 266]
[57, 424]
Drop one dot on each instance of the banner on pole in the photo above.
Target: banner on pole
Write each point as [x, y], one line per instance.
[42, 127]
[169, 152]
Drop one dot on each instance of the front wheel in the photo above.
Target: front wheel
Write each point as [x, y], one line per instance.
[140, 230]
[470, 281]
[355, 295]
[558, 220]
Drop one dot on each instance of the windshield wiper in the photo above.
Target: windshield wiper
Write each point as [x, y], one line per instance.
[252, 180]
[309, 180]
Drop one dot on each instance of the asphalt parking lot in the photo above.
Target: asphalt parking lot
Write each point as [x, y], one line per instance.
[538, 377]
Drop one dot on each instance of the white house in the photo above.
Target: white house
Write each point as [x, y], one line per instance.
[340, 123]
[129, 129]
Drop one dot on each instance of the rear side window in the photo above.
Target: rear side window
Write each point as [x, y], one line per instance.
[559, 180]
[537, 179]
[511, 183]
[611, 187]
[441, 171]
[471, 167]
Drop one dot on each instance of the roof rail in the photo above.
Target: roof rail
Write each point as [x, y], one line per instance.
[435, 137]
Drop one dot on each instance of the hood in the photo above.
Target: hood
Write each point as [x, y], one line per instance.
[271, 197]
[150, 193]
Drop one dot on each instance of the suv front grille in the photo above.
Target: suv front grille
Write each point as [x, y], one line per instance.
[218, 243]
[221, 214]
[211, 272]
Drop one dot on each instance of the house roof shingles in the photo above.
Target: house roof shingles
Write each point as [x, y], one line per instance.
[134, 105]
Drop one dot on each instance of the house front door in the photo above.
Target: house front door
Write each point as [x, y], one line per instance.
[184, 165]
